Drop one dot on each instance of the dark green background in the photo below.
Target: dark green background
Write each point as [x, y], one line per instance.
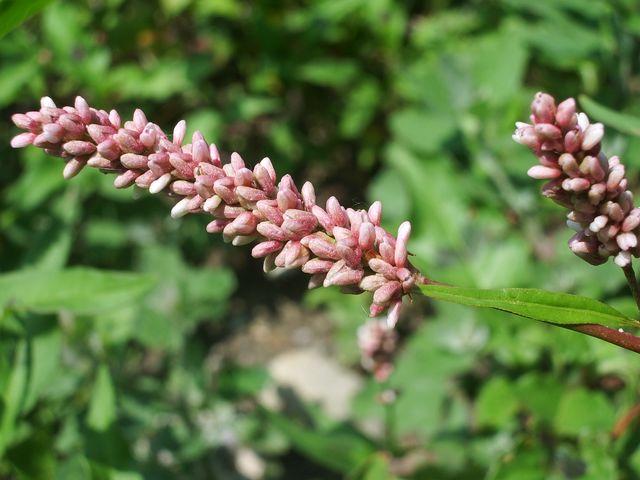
[157, 373]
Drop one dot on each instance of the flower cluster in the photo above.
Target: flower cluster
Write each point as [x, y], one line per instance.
[336, 245]
[378, 344]
[582, 179]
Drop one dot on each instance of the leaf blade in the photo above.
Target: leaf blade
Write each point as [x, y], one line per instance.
[536, 304]
[620, 121]
[77, 290]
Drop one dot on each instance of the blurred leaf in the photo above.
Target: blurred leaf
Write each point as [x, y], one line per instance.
[328, 72]
[14, 12]
[625, 123]
[102, 407]
[551, 307]
[422, 130]
[431, 182]
[496, 405]
[78, 290]
[361, 106]
[340, 449]
[583, 411]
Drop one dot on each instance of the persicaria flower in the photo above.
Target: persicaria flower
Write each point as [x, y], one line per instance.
[583, 179]
[335, 245]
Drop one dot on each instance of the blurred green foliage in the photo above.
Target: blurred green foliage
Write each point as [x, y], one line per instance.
[128, 376]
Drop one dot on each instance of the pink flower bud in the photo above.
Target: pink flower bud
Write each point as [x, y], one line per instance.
[160, 183]
[400, 254]
[78, 148]
[548, 131]
[237, 162]
[598, 223]
[324, 249]
[592, 136]
[541, 172]
[217, 225]
[183, 188]
[243, 224]
[351, 255]
[243, 177]
[250, 195]
[341, 274]
[109, 149]
[271, 231]
[572, 141]
[616, 174]
[263, 249]
[386, 292]
[622, 259]
[317, 265]
[543, 108]
[566, 114]
[293, 255]
[576, 184]
[378, 265]
[527, 136]
[127, 142]
[223, 187]
[308, 195]
[375, 213]
[22, 140]
[387, 251]
[211, 203]
[268, 208]
[286, 200]
[615, 211]
[53, 132]
[264, 179]
[73, 167]
[134, 161]
[627, 240]
[323, 218]
[366, 236]
[597, 193]
[336, 212]
[371, 283]
[632, 221]
[394, 314]
[98, 161]
[179, 132]
[23, 121]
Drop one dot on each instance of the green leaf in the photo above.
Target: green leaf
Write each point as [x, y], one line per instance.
[15, 12]
[620, 121]
[77, 290]
[102, 408]
[422, 130]
[551, 307]
[496, 404]
[340, 449]
[583, 411]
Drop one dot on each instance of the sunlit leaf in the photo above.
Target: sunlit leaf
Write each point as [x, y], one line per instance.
[551, 307]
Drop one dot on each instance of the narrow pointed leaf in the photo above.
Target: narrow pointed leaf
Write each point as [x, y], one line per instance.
[620, 121]
[14, 12]
[550, 307]
[77, 290]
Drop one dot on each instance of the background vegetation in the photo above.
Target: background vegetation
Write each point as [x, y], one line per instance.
[188, 366]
